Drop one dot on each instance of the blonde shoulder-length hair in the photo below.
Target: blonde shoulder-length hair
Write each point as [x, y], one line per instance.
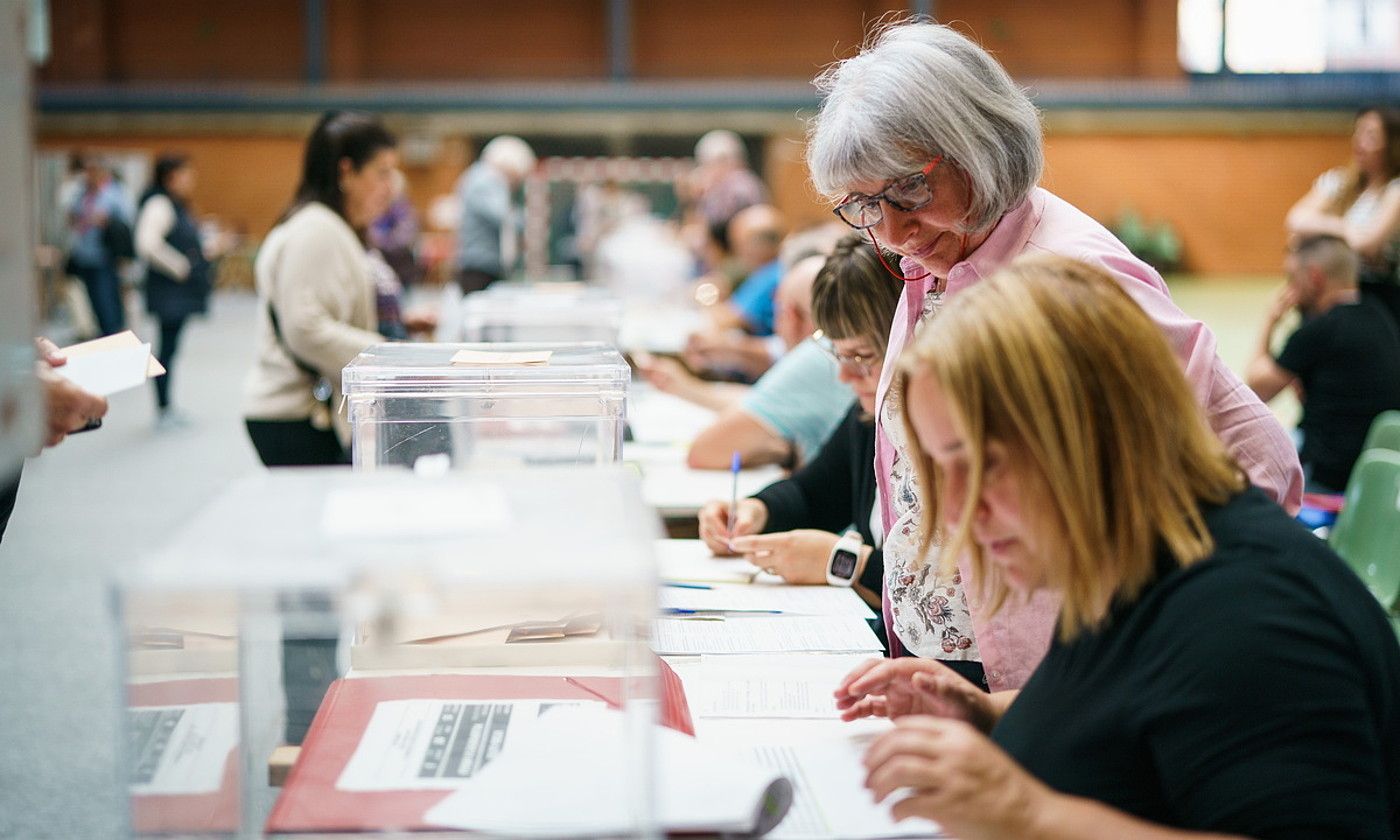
[1051, 358]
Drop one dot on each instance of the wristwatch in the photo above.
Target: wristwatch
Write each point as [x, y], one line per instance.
[845, 556]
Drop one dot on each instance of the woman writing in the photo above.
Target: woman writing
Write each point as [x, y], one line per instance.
[316, 292]
[925, 144]
[1361, 205]
[790, 527]
[177, 272]
[1215, 667]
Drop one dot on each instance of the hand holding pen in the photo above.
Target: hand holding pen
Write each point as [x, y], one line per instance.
[718, 527]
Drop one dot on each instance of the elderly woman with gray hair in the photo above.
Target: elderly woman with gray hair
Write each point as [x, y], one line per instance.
[925, 143]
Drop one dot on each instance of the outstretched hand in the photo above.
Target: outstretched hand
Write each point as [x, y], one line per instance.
[895, 688]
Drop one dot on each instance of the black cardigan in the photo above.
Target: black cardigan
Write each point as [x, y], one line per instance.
[834, 490]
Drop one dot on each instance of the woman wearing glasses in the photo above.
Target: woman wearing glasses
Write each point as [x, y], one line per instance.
[926, 145]
[799, 518]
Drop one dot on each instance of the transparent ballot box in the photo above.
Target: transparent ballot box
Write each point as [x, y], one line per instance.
[329, 651]
[565, 312]
[486, 405]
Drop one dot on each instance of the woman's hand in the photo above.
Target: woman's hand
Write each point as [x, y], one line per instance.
[895, 688]
[750, 515]
[797, 556]
[956, 777]
[49, 353]
[420, 321]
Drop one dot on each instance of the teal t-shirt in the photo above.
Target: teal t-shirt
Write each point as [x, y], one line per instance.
[800, 398]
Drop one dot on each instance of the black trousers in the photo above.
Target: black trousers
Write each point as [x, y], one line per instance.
[1385, 293]
[170, 329]
[295, 443]
[9, 493]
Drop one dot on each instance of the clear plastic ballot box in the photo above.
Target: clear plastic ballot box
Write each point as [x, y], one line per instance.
[563, 312]
[416, 640]
[486, 405]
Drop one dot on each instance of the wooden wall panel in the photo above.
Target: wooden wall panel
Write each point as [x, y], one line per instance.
[744, 38]
[449, 40]
[183, 40]
[1225, 194]
[454, 40]
[79, 50]
[1070, 38]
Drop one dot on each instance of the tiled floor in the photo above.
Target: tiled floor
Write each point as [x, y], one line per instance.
[103, 498]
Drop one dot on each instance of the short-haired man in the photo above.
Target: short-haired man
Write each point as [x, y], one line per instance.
[1345, 357]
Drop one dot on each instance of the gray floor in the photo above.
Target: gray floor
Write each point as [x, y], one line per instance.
[103, 498]
[85, 507]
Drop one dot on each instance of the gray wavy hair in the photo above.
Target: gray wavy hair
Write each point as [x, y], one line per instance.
[915, 91]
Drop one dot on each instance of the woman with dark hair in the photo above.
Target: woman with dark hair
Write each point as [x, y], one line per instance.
[1360, 204]
[177, 271]
[316, 292]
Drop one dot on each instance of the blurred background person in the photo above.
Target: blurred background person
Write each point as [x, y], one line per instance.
[178, 274]
[1360, 204]
[1344, 357]
[488, 238]
[720, 186]
[793, 407]
[316, 293]
[100, 236]
[395, 234]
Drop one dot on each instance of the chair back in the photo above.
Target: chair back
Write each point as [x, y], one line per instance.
[1367, 533]
[1384, 432]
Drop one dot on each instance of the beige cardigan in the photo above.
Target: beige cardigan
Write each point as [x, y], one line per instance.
[314, 270]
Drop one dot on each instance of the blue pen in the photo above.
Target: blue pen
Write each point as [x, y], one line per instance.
[676, 585]
[683, 611]
[733, 492]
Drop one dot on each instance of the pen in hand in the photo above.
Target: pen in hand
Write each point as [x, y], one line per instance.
[733, 497]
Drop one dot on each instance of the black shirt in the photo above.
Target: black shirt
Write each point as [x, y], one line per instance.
[834, 490]
[1348, 359]
[1256, 692]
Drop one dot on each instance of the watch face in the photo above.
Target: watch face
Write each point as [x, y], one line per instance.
[843, 565]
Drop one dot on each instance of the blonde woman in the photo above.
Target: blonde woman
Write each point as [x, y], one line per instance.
[1215, 667]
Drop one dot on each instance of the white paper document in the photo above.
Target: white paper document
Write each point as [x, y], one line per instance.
[770, 686]
[691, 561]
[108, 372]
[829, 795]
[763, 634]
[426, 509]
[680, 489]
[437, 744]
[501, 358]
[782, 598]
[657, 417]
[581, 772]
[181, 749]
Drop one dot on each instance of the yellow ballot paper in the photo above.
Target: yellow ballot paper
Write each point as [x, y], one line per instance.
[110, 364]
[501, 358]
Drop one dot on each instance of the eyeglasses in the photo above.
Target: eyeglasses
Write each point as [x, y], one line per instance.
[857, 363]
[907, 194]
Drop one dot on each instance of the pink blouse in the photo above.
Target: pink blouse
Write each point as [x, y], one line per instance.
[1012, 642]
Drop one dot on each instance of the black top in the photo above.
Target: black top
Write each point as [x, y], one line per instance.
[834, 490]
[1256, 692]
[169, 298]
[1348, 359]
